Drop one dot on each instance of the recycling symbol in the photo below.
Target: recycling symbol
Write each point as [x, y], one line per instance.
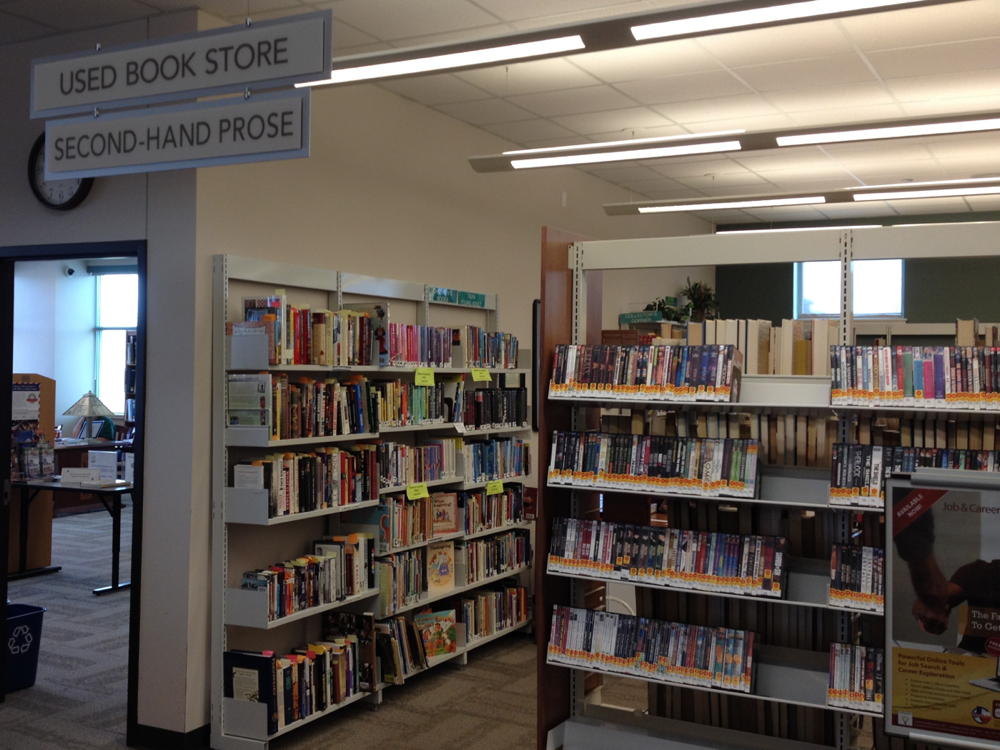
[20, 640]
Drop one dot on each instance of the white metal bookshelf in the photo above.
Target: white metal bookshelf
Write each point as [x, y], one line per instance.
[801, 681]
[236, 612]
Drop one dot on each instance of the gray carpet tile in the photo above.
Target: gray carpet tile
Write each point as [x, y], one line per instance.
[79, 696]
[78, 701]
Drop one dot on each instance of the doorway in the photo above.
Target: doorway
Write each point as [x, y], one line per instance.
[79, 554]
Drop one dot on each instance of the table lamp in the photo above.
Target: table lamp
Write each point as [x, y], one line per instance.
[88, 406]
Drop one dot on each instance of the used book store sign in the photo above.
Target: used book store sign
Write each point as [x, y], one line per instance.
[272, 55]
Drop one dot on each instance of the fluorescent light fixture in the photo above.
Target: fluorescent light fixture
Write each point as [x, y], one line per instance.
[941, 193]
[798, 229]
[719, 205]
[629, 142]
[757, 16]
[930, 183]
[895, 131]
[629, 154]
[451, 60]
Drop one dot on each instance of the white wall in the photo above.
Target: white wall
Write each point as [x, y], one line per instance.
[34, 318]
[630, 291]
[75, 299]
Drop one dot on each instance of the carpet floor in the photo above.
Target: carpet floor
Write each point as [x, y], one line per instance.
[78, 701]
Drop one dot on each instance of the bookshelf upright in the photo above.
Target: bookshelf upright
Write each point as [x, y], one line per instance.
[476, 461]
[788, 706]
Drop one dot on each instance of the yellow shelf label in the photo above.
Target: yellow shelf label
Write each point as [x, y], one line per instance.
[494, 487]
[424, 376]
[417, 491]
[481, 375]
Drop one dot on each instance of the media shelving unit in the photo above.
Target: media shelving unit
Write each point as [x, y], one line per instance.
[571, 298]
[243, 534]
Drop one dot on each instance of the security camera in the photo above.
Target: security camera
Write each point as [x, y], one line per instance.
[69, 270]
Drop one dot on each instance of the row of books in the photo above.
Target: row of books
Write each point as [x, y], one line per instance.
[858, 472]
[701, 560]
[484, 408]
[301, 336]
[707, 657]
[409, 577]
[857, 677]
[493, 610]
[482, 512]
[32, 461]
[479, 559]
[656, 373]
[481, 348]
[407, 646]
[327, 477]
[796, 347]
[857, 577]
[434, 459]
[500, 458]
[338, 567]
[300, 407]
[400, 403]
[664, 464]
[412, 345]
[308, 680]
[398, 521]
[957, 377]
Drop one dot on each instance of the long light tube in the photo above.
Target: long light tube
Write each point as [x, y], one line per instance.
[798, 229]
[941, 193]
[630, 154]
[715, 206]
[484, 56]
[756, 16]
[894, 131]
[627, 142]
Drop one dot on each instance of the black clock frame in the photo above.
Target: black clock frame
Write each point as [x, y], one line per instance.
[81, 194]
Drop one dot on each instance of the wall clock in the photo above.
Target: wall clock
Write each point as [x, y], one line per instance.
[61, 195]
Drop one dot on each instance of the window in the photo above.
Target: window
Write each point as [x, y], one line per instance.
[878, 288]
[117, 306]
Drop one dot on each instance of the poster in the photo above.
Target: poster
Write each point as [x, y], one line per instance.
[26, 399]
[943, 632]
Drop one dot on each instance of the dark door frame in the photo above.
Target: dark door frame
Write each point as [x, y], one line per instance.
[79, 251]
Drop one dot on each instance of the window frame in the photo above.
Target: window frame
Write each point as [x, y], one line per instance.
[797, 295]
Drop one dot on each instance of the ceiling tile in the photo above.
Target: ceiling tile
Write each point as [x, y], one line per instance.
[702, 110]
[485, 111]
[778, 44]
[821, 169]
[930, 206]
[966, 145]
[613, 9]
[663, 131]
[936, 59]
[878, 153]
[524, 131]
[14, 29]
[916, 26]
[529, 77]
[681, 168]
[396, 19]
[724, 217]
[684, 88]
[971, 104]
[573, 101]
[818, 72]
[712, 183]
[662, 189]
[622, 173]
[910, 171]
[459, 35]
[750, 124]
[515, 10]
[802, 158]
[973, 83]
[72, 14]
[436, 89]
[787, 213]
[622, 121]
[346, 36]
[830, 97]
[846, 115]
[647, 61]
[572, 140]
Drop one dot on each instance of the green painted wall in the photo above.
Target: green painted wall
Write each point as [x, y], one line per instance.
[940, 290]
[759, 290]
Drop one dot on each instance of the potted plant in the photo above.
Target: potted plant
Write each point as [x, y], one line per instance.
[701, 300]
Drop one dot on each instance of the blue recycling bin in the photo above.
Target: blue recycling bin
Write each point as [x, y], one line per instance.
[23, 642]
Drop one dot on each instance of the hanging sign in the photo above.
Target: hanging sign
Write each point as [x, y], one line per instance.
[271, 53]
[227, 131]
